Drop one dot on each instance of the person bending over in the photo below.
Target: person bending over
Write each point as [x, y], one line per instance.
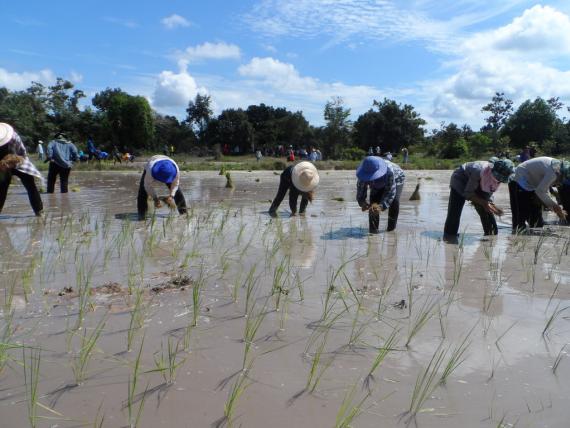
[386, 182]
[300, 180]
[160, 169]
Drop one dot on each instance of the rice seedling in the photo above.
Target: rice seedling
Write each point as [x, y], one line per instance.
[138, 314]
[426, 382]
[317, 370]
[240, 385]
[553, 294]
[166, 361]
[134, 419]
[87, 345]
[253, 321]
[410, 291]
[349, 410]
[196, 296]
[558, 359]
[388, 347]
[550, 322]
[83, 282]
[456, 358]
[425, 313]
[31, 366]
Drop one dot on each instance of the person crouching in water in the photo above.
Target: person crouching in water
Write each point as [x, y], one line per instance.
[300, 180]
[386, 182]
[529, 191]
[61, 154]
[160, 169]
[476, 182]
[14, 160]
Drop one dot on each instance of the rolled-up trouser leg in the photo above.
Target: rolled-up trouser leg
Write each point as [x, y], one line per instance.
[394, 210]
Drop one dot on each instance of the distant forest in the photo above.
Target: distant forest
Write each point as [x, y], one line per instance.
[127, 121]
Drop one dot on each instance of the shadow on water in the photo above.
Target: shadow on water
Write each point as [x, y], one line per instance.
[345, 233]
[466, 238]
[127, 216]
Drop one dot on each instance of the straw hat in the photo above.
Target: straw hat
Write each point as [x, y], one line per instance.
[305, 176]
[6, 134]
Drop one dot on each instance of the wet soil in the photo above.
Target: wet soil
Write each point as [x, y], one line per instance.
[319, 286]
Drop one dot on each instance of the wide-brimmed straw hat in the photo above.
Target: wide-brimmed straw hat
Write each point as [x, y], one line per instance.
[6, 133]
[305, 176]
[371, 168]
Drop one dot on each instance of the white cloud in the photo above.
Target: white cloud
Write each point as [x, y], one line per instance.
[521, 59]
[207, 51]
[19, 81]
[175, 21]
[75, 77]
[175, 89]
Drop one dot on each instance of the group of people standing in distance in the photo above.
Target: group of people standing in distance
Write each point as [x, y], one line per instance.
[379, 187]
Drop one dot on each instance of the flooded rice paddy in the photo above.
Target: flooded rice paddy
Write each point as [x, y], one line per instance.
[227, 317]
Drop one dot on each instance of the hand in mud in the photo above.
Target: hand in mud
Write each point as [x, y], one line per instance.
[560, 212]
[365, 207]
[170, 202]
[157, 203]
[496, 210]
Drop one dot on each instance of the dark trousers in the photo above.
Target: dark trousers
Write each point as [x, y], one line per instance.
[525, 208]
[142, 199]
[393, 211]
[53, 172]
[28, 182]
[564, 193]
[454, 210]
[286, 184]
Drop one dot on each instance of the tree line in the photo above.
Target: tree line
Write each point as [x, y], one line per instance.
[118, 119]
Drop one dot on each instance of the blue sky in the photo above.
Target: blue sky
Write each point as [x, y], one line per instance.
[445, 57]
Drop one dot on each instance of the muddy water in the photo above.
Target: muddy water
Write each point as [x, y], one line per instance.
[492, 297]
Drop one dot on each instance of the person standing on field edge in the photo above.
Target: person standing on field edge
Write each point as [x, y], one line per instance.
[61, 154]
[14, 161]
[41, 153]
[405, 154]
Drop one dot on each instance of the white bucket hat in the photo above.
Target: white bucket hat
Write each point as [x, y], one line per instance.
[6, 134]
[305, 176]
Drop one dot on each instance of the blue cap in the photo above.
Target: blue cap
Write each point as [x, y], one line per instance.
[164, 171]
[371, 168]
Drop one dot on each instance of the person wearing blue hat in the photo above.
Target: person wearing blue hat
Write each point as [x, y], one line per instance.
[160, 169]
[386, 182]
[476, 182]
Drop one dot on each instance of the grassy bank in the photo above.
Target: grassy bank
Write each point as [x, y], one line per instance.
[249, 163]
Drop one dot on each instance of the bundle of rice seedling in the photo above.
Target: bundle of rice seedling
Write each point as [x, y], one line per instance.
[416, 195]
[9, 162]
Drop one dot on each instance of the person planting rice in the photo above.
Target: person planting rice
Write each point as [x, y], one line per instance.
[300, 180]
[529, 191]
[476, 182]
[14, 161]
[61, 154]
[164, 170]
[386, 181]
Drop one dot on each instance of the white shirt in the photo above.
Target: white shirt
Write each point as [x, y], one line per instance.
[149, 181]
[537, 175]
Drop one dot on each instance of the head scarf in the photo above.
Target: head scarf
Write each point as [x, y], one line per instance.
[489, 184]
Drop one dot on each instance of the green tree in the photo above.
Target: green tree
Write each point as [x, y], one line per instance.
[500, 109]
[533, 121]
[338, 127]
[389, 125]
[199, 114]
[231, 127]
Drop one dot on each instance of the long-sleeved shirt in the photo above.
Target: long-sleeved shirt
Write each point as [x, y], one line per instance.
[286, 183]
[16, 147]
[149, 181]
[537, 175]
[62, 152]
[466, 180]
[394, 176]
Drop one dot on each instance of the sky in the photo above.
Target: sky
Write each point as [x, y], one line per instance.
[447, 58]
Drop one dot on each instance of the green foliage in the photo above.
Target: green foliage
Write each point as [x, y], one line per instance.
[199, 114]
[500, 108]
[391, 126]
[479, 144]
[533, 121]
[338, 127]
[352, 153]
